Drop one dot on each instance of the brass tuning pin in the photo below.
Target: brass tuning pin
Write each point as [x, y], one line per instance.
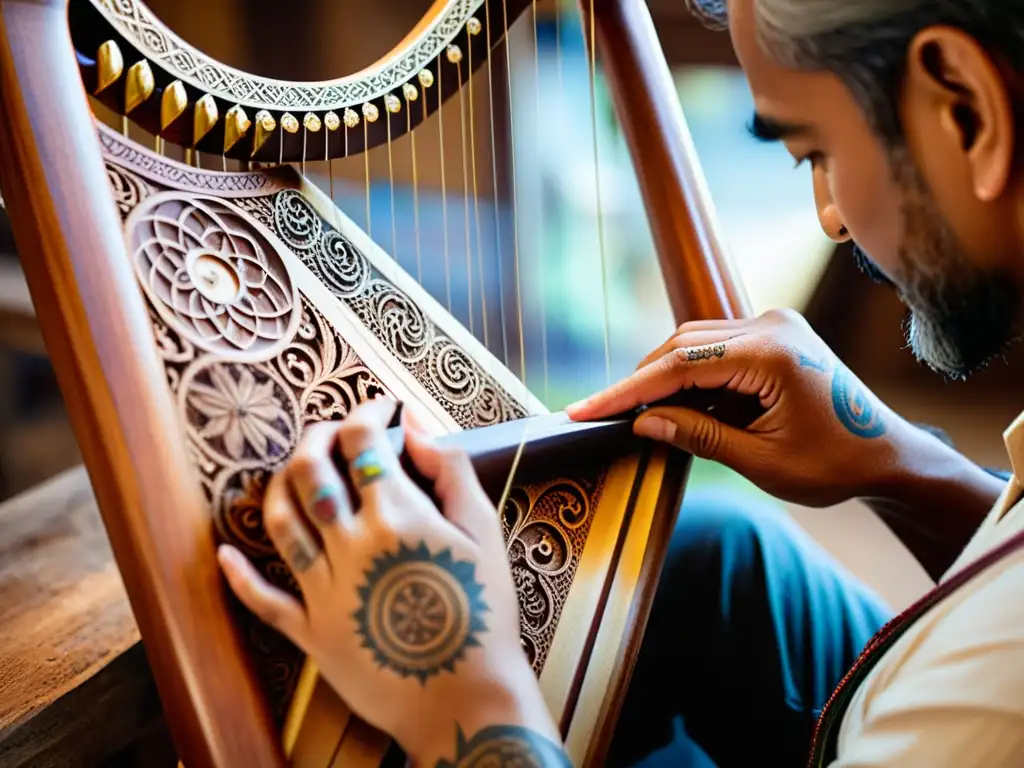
[311, 122]
[138, 85]
[236, 125]
[265, 126]
[289, 122]
[204, 118]
[173, 104]
[109, 66]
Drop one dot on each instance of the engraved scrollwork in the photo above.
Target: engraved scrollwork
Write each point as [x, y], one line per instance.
[213, 273]
[454, 372]
[172, 174]
[311, 365]
[457, 382]
[297, 223]
[153, 39]
[545, 529]
[128, 189]
[345, 270]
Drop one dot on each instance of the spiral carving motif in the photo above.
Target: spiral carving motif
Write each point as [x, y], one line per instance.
[455, 372]
[471, 396]
[344, 269]
[297, 223]
[214, 274]
[243, 415]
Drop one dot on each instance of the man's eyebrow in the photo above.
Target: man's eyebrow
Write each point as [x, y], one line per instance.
[768, 130]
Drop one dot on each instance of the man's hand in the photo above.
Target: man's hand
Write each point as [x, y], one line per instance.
[824, 437]
[409, 611]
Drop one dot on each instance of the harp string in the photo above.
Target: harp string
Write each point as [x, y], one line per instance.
[366, 175]
[592, 61]
[391, 187]
[465, 197]
[444, 187]
[476, 205]
[415, 182]
[509, 481]
[542, 319]
[494, 177]
[515, 200]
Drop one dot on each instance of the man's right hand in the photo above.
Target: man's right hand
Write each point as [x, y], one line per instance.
[824, 437]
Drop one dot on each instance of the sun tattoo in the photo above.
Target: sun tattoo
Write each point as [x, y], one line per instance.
[419, 612]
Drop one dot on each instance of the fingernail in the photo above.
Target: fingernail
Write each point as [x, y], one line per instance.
[323, 507]
[396, 417]
[655, 428]
[577, 406]
[228, 555]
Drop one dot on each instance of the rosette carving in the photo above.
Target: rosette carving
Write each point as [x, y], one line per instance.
[214, 274]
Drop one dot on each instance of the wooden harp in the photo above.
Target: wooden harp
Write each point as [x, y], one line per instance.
[199, 317]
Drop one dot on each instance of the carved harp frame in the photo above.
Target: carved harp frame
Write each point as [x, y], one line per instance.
[139, 371]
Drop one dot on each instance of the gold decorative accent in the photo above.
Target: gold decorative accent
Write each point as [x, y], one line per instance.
[392, 104]
[172, 104]
[142, 30]
[311, 122]
[265, 125]
[410, 91]
[426, 78]
[454, 54]
[204, 118]
[236, 125]
[289, 122]
[350, 117]
[332, 121]
[138, 85]
[473, 26]
[370, 112]
[109, 66]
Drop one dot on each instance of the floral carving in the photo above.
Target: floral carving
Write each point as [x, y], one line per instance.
[244, 414]
[468, 393]
[241, 412]
[212, 271]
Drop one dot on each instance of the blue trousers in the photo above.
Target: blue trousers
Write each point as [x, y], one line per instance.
[752, 627]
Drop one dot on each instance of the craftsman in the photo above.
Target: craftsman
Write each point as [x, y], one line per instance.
[908, 113]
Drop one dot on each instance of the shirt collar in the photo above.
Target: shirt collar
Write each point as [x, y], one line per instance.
[1014, 439]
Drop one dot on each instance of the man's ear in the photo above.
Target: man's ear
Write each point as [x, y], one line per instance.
[950, 75]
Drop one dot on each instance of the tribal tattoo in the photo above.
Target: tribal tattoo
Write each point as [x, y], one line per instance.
[852, 403]
[705, 353]
[507, 746]
[419, 611]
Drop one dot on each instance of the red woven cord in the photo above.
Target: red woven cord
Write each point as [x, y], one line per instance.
[825, 733]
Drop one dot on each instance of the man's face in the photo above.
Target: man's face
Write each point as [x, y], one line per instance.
[914, 211]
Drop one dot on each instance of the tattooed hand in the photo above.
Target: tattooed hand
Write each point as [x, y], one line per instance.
[824, 437]
[409, 612]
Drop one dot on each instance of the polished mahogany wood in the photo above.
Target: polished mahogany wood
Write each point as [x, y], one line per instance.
[90, 312]
[701, 280]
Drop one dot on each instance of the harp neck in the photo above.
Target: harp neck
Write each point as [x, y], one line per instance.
[699, 275]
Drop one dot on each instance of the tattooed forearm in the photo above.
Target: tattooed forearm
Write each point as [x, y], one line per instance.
[507, 746]
[810, 362]
[854, 406]
[419, 611]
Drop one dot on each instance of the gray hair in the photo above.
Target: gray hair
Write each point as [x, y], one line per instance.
[865, 42]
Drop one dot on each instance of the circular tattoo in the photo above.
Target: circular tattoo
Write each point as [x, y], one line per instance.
[498, 746]
[854, 407]
[420, 611]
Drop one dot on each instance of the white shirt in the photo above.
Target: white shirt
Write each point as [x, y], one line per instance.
[950, 692]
